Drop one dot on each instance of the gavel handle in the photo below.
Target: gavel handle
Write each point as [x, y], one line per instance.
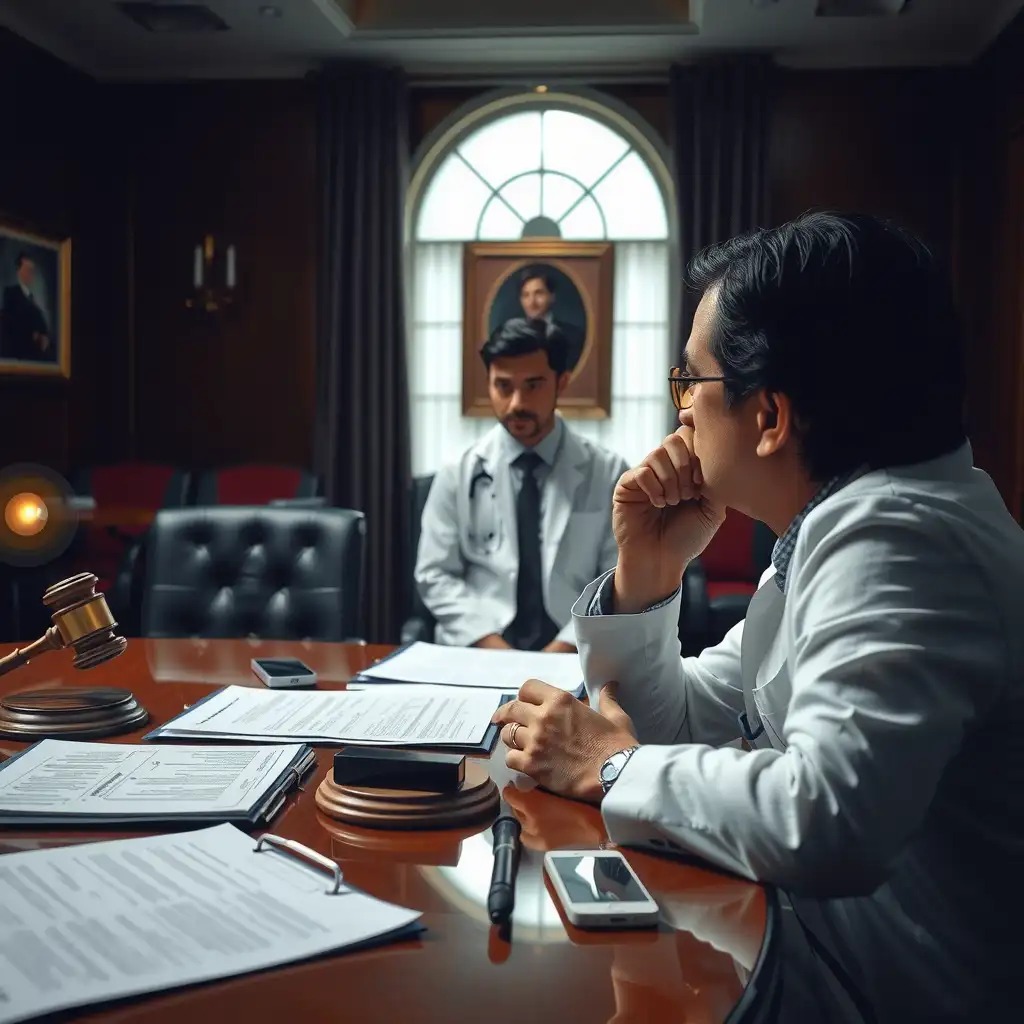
[49, 641]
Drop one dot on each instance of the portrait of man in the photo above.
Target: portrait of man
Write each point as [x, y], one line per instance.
[31, 310]
[568, 285]
[541, 291]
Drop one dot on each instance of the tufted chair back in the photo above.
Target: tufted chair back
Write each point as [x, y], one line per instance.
[241, 571]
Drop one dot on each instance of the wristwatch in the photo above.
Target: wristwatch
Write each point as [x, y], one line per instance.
[612, 768]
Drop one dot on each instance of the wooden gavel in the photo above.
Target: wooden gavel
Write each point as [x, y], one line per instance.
[81, 620]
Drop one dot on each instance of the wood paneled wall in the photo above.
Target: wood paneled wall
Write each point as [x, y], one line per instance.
[990, 266]
[235, 160]
[139, 174]
[60, 162]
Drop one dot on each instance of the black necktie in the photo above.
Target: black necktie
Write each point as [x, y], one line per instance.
[532, 628]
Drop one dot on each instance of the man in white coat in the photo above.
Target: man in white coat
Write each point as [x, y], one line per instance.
[879, 676]
[515, 529]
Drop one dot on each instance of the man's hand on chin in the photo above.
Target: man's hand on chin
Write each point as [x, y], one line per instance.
[559, 741]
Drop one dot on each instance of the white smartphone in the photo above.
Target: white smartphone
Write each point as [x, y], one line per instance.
[283, 673]
[598, 889]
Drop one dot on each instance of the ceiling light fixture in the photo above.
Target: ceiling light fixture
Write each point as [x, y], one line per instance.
[269, 11]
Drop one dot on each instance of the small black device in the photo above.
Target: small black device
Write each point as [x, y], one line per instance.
[283, 673]
[387, 768]
[501, 897]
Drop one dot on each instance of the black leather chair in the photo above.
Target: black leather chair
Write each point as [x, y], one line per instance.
[419, 624]
[240, 571]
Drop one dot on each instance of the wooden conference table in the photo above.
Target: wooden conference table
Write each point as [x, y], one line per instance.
[697, 968]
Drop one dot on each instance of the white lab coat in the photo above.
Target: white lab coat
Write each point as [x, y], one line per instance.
[886, 792]
[469, 582]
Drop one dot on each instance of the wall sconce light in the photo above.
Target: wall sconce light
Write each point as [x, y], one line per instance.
[209, 297]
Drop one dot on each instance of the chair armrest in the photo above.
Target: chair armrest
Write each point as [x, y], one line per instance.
[417, 628]
[695, 610]
[695, 595]
[125, 595]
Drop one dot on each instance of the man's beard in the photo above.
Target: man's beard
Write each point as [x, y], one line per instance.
[523, 417]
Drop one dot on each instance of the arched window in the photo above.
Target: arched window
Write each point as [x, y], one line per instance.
[523, 167]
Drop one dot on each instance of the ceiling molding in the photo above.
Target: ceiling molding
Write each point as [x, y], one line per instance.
[312, 33]
[46, 39]
[337, 12]
[992, 28]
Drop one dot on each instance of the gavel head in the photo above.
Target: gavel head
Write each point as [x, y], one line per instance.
[83, 620]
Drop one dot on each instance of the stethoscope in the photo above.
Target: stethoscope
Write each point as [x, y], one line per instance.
[484, 522]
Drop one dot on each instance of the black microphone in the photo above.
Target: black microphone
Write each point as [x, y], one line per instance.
[501, 897]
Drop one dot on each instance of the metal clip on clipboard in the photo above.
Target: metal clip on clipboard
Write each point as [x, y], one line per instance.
[303, 852]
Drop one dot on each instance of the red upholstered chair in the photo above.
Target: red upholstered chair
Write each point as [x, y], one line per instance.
[254, 485]
[728, 573]
[110, 544]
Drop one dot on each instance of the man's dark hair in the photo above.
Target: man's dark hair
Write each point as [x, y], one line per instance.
[22, 257]
[537, 272]
[854, 320]
[519, 337]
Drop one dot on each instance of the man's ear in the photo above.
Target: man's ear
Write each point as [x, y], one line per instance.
[774, 421]
[562, 382]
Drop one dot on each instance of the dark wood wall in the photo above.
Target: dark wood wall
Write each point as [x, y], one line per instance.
[58, 161]
[139, 175]
[235, 160]
[990, 262]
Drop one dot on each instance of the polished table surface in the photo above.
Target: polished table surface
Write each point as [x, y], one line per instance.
[692, 969]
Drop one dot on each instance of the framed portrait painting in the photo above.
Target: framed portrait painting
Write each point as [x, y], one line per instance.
[570, 284]
[35, 304]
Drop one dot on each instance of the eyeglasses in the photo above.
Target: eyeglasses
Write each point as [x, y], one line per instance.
[682, 383]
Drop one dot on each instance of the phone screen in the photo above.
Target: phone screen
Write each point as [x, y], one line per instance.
[279, 667]
[598, 878]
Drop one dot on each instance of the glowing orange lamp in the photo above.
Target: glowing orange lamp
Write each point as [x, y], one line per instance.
[26, 514]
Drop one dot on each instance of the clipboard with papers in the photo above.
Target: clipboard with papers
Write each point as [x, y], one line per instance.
[68, 783]
[436, 719]
[153, 894]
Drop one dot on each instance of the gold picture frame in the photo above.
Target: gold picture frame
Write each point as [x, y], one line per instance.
[582, 276]
[35, 303]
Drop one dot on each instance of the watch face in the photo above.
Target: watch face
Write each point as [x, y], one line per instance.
[611, 768]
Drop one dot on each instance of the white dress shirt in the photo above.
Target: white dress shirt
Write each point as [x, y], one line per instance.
[886, 790]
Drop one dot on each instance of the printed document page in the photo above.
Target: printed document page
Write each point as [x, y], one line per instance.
[475, 667]
[84, 924]
[64, 777]
[376, 716]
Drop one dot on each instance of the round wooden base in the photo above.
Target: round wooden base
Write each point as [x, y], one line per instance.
[74, 712]
[474, 803]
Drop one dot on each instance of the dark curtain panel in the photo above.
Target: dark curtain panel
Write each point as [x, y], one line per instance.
[719, 134]
[362, 422]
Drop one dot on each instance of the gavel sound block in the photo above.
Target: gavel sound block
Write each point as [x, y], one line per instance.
[82, 621]
[388, 804]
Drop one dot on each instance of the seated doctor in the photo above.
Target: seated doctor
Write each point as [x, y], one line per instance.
[516, 528]
[879, 674]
